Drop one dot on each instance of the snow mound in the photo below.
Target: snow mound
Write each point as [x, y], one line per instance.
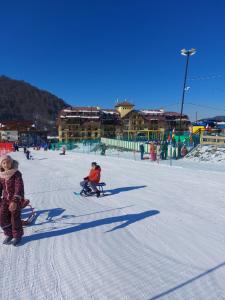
[208, 153]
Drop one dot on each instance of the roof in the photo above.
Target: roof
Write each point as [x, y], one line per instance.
[81, 108]
[124, 103]
[109, 111]
[152, 111]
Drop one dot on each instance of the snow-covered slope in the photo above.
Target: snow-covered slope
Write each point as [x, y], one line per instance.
[209, 153]
[158, 234]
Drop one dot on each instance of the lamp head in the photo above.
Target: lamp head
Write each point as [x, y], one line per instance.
[190, 52]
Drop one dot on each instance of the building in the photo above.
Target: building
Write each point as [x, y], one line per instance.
[111, 125]
[22, 131]
[124, 108]
[84, 123]
[77, 123]
[160, 119]
[137, 122]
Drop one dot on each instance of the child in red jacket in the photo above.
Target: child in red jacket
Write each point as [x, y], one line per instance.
[89, 183]
[11, 192]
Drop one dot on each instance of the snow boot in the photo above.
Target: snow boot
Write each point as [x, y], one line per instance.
[16, 241]
[7, 240]
[98, 194]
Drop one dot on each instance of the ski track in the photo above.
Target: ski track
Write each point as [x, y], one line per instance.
[75, 250]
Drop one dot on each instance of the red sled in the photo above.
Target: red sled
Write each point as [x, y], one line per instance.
[26, 203]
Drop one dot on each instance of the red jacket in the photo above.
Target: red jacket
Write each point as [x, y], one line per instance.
[94, 175]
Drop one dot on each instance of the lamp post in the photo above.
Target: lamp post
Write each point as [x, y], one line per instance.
[187, 53]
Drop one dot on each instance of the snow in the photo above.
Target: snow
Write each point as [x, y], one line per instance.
[158, 234]
[152, 111]
[207, 153]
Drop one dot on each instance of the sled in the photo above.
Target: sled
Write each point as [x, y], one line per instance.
[89, 192]
[26, 203]
[101, 185]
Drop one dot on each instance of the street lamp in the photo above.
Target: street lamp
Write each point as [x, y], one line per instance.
[187, 53]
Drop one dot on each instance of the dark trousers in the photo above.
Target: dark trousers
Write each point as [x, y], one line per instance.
[10, 222]
[87, 183]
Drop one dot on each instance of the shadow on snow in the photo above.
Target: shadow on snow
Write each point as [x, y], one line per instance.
[183, 284]
[50, 214]
[126, 219]
[123, 189]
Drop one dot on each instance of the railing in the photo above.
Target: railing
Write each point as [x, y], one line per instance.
[212, 140]
[129, 145]
[143, 135]
[73, 145]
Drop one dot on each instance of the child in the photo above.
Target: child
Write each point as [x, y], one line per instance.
[92, 179]
[12, 191]
[63, 150]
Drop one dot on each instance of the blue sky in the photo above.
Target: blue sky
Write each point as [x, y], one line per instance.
[94, 52]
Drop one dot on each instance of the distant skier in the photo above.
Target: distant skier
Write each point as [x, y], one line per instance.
[142, 150]
[12, 190]
[89, 183]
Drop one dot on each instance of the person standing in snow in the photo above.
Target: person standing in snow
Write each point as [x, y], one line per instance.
[89, 183]
[152, 151]
[184, 151]
[12, 191]
[27, 154]
[142, 150]
[164, 150]
[158, 151]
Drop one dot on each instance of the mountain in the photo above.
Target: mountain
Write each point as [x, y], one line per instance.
[21, 101]
[215, 119]
[219, 118]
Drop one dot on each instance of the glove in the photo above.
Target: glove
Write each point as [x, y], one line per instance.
[12, 206]
[86, 178]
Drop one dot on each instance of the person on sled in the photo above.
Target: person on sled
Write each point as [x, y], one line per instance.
[90, 182]
[63, 150]
[12, 191]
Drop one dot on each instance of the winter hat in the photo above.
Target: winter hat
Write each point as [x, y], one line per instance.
[5, 157]
[7, 174]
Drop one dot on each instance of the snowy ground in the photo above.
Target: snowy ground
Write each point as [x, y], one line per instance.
[158, 234]
[207, 153]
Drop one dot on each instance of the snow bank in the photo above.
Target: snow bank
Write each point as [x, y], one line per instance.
[209, 153]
